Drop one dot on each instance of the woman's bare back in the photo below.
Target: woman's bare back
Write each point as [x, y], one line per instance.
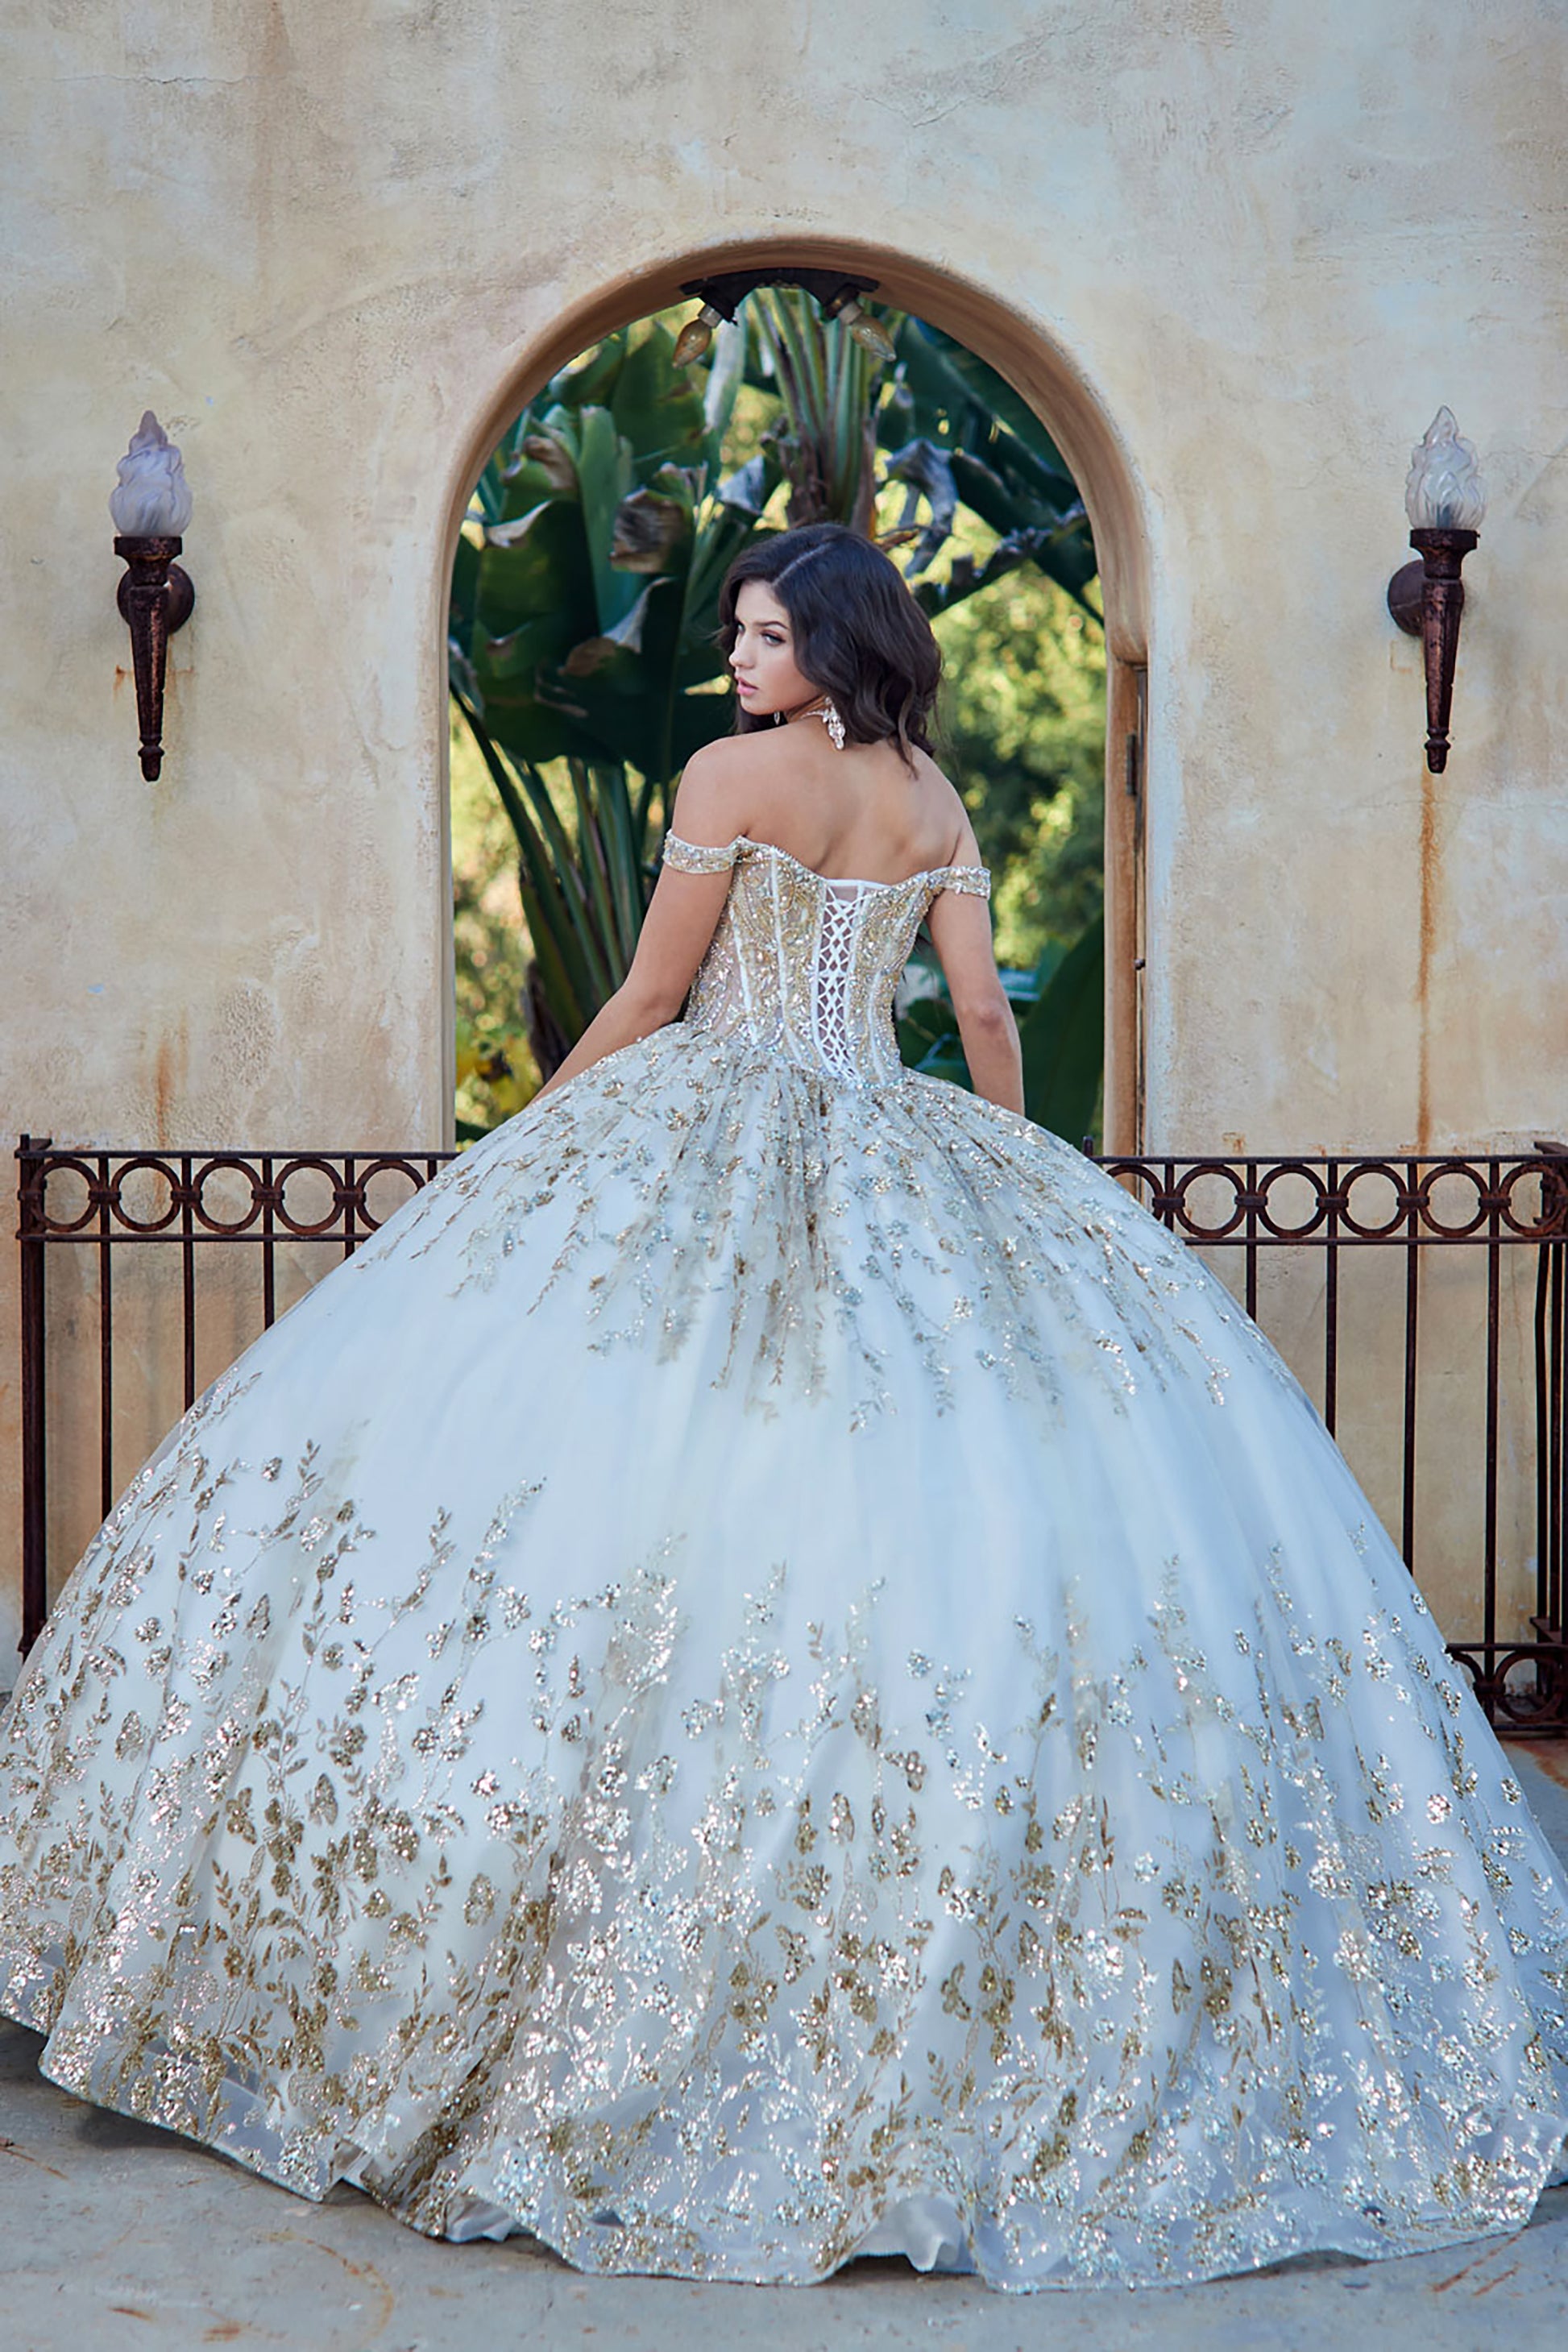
[860, 812]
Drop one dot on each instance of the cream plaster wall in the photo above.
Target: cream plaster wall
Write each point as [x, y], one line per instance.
[1250, 246]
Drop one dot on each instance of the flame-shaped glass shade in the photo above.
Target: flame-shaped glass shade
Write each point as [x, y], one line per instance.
[868, 331]
[153, 498]
[1443, 490]
[691, 343]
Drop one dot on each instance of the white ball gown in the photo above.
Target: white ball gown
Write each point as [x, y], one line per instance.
[773, 1670]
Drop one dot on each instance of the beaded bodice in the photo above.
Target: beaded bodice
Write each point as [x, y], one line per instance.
[806, 964]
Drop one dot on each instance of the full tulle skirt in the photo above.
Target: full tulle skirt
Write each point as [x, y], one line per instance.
[773, 1670]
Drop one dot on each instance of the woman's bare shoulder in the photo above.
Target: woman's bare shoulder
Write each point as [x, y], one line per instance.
[725, 756]
[735, 760]
[717, 786]
[744, 774]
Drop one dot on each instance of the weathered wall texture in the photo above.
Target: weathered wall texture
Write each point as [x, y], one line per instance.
[1258, 244]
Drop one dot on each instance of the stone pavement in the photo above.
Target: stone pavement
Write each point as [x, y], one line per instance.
[118, 2237]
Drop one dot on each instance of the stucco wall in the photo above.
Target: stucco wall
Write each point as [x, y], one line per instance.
[326, 243]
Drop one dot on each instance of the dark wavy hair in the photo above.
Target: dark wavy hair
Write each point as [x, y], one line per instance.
[859, 635]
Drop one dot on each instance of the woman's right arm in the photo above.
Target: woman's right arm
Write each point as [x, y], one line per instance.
[680, 921]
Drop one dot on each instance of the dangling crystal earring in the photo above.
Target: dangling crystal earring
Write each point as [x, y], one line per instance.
[829, 714]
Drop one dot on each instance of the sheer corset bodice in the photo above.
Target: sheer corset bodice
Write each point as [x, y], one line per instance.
[806, 964]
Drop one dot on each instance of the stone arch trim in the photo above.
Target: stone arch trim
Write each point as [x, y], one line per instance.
[1033, 359]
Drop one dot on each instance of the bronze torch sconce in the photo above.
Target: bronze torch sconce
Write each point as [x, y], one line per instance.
[1447, 506]
[152, 507]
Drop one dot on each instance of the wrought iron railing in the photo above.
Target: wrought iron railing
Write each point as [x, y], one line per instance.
[95, 1206]
[1264, 1212]
[1492, 1204]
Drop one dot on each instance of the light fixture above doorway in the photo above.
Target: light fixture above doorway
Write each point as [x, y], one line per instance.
[836, 296]
[1447, 504]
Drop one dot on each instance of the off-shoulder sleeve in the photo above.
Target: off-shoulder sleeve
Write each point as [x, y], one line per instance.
[692, 857]
[969, 881]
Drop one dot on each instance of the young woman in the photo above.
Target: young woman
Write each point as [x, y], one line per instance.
[773, 1671]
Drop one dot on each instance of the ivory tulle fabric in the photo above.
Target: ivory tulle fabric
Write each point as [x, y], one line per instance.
[771, 1671]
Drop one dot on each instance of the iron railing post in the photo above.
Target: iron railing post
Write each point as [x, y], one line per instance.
[30, 1153]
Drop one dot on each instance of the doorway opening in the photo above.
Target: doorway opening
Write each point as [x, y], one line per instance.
[584, 668]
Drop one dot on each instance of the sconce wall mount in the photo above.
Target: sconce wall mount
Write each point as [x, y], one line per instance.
[156, 598]
[151, 506]
[1446, 504]
[1428, 600]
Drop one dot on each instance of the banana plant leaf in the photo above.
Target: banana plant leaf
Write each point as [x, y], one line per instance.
[584, 887]
[657, 407]
[584, 621]
[926, 470]
[954, 394]
[1063, 1039]
[956, 431]
[829, 385]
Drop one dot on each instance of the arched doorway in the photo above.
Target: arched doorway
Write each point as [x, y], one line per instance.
[1044, 376]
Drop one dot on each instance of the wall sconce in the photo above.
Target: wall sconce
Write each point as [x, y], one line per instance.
[152, 507]
[836, 296]
[1447, 506]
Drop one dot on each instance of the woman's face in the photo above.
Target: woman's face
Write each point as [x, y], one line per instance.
[763, 655]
